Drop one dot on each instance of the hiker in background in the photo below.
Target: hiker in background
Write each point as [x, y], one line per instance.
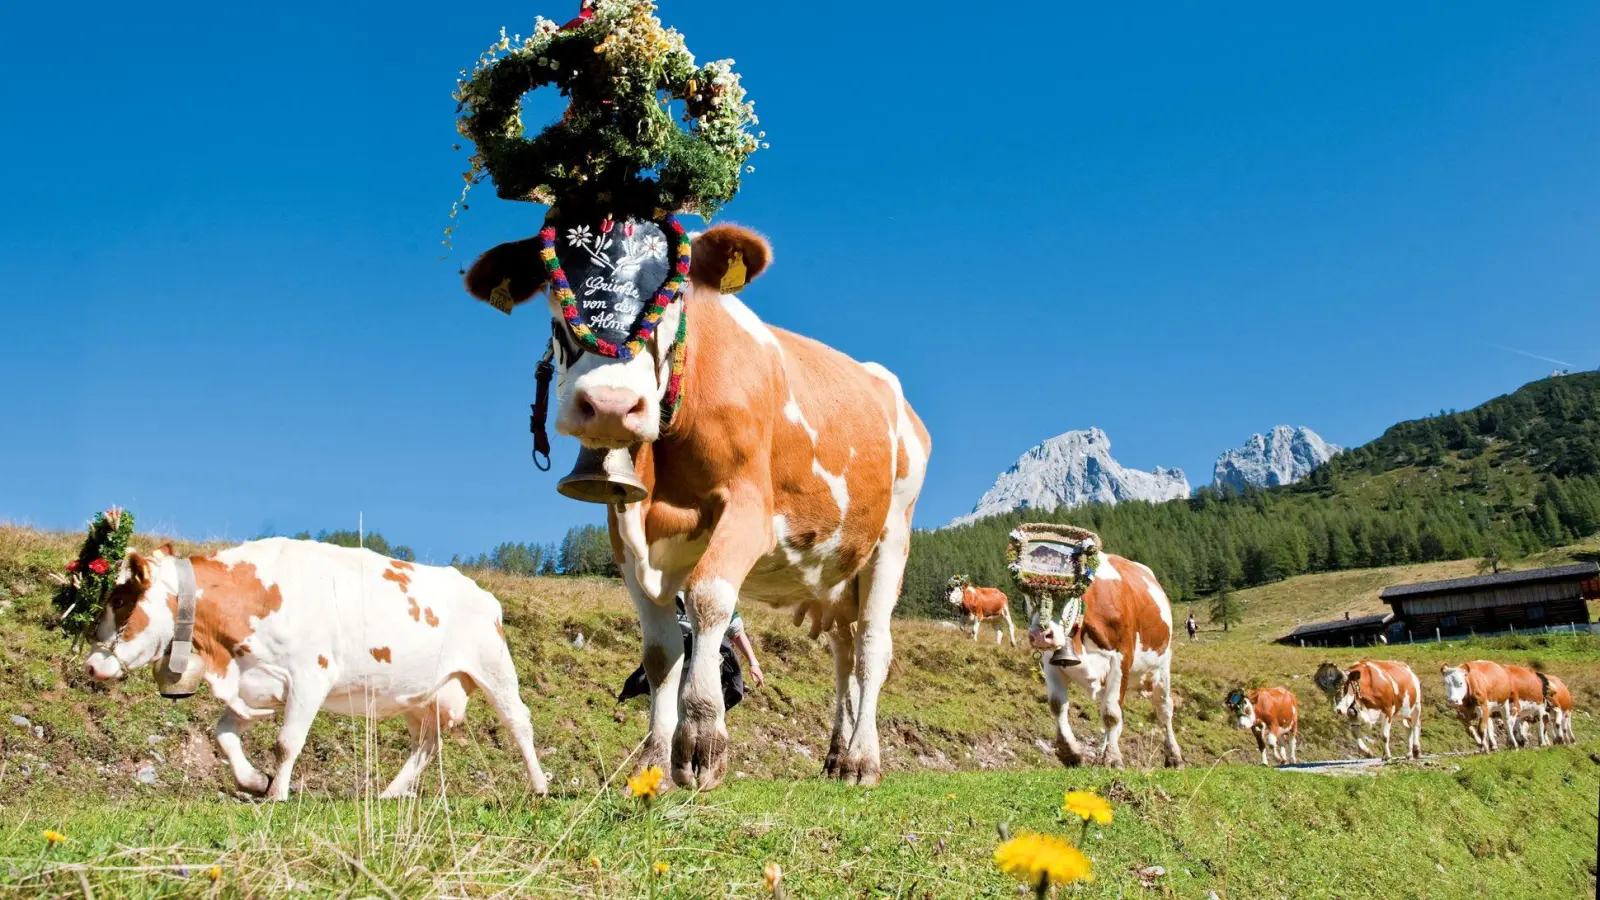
[736, 638]
[1192, 625]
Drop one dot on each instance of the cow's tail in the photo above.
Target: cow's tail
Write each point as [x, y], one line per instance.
[1544, 689]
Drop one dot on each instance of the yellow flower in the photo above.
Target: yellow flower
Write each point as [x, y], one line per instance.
[949, 796]
[1087, 805]
[646, 784]
[53, 837]
[774, 875]
[594, 863]
[215, 872]
[1033, 858]
[662, 868]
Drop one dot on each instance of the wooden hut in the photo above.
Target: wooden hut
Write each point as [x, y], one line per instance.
[1534, 600]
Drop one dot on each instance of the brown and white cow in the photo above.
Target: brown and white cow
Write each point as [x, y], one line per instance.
[979, 605]
[1376, 692]
[1527, 704]
[1558, 703]
[303, 626]
[1478, 690]
[1272, 714]
[787, 474]
[1126, 634]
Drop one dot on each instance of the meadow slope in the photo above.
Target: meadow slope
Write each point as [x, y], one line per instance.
[133, 781]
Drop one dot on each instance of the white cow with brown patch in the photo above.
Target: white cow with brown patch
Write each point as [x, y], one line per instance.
[788, 474]
[1376, 692]
[1125, 638]
[301, 626]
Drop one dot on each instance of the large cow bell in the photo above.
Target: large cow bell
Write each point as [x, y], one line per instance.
[603, 476]
[177, 685]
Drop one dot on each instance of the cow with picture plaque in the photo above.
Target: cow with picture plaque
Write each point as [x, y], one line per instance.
[1098, 621]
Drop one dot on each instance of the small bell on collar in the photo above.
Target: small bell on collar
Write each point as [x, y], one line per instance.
[1065, 657]
[603, 476]
[178, 685]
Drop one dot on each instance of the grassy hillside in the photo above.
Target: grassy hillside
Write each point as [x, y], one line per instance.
[120, 767]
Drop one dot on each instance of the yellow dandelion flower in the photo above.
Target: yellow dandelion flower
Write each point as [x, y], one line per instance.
[949, 796]
[646, 784]
[52, 836]
[774, 875]
[661, 868]
[1037, 858]
[215, 872]
[1087, 805]
[594, 863]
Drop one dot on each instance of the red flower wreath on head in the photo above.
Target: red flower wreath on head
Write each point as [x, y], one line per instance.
[72, 566]
[99, 567]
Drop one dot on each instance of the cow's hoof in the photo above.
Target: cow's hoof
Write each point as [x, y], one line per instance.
[1070, 756]
[1174, 760]
[859, 770]
[699, 754]
[408, 794]
[256, 785]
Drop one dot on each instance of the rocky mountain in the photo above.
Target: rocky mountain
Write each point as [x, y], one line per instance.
[1283, 456]
[1070, 470]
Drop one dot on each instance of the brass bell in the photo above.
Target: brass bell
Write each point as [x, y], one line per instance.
[176, 685]
[603, 476]
[1065, 657]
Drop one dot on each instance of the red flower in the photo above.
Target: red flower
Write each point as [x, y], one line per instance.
[73, 566]
[99, 567]
[606, 225]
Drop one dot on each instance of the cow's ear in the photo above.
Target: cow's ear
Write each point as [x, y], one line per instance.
[138, 570]
[163, 551]
[1353, 675]
[728, 257]
[507, 275]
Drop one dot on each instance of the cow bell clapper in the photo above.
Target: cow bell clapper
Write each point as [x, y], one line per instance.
[603, 476]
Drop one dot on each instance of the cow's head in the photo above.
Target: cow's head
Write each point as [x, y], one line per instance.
[1242, 708]
[1347, 701]
[136, 626]
[1455, 684]
[956, 588]
[610, 403]
[1045, 632]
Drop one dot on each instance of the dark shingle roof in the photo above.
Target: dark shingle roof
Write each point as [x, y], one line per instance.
[1360, 622]
[1575, 572]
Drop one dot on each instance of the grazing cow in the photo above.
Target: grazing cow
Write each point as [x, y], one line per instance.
[1476, 691]
[1558, 701]
[1270, 713]
[980, 604]
[1527, 704]
[1376, 692]
[1126, 632]
[303, 626]
[787, 474]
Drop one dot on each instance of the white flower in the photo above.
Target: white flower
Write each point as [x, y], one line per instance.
[654, 244]
[578, 235]
[749, 168]
[765, 145]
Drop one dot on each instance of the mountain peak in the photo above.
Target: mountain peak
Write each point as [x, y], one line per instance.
[1282, 456]
[1071, 469]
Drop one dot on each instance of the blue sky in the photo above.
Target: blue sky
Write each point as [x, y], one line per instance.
[224, 305]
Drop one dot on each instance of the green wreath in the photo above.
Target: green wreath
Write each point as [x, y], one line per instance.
[618, 145]
[91, 575]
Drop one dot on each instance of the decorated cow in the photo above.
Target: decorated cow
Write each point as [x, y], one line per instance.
[1376, 692]
[1115, 632]
[1272, 714]
[979, 605]
[298, 627]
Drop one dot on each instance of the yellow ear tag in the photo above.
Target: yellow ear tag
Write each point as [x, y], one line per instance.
[500, 297]
[734, 278]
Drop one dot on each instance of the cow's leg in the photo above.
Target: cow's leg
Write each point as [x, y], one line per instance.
[498, 679]
[875, 647]
[1260, 731]
[1484, 729]
[1294, 741]
[1387, 726]
[1163, 705]
[976, 624]
[1509, 719]
[1068, 750]
[306, 693]
[1414, 739]
[663, 668]
[1361, 739]
[1011, 626]
[1544, 741]
[999, 636]
[229, 728]
[423, 723]
[846, 695]
[1111, 712]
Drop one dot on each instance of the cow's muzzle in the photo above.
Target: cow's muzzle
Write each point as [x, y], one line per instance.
[103, 665]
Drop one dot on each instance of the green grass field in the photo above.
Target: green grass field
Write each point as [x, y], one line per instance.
[132, 781]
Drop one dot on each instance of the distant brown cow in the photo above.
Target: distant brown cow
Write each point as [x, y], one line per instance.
[1376, 692]
[1270, 713]
[1476, 691]
[1558, 703]
[1527, 703]
[980, 604]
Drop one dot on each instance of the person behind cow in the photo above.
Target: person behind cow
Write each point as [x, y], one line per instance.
[1192, 626]
[735, 643]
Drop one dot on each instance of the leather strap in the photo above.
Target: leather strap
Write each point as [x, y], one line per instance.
[183, 628]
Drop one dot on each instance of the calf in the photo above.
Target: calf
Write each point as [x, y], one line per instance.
[1271, 714]
[1527, 704]
[1126, 633]
[303, 626]
[1376, 692]
[980, 604]
[1476, 691]
[1558, 703]
[786, 472]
